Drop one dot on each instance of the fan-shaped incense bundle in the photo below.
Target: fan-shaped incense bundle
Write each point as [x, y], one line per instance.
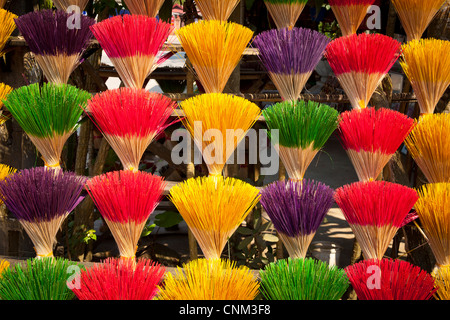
[132, 43]
[360, 63]
[350, 14]
[290, 57]
[148, 8]
[7, 27]
[217, 123]
[302, 279]
[216, 9]
[370, 137]
[429, 146]
[124, 280]
[213, 208]
[214, 49]
[296, 209]
[426, 63]
[4, 91]
[57, 45]
[433, 208]
[416, 15]
[206, 279]
[38, 279]
[285, 13]
[66, 4]
[125, 200]
[375, 210]
[48, 115]
[41, 199]
[303, 128]
[130, 119]
[442, 282]
[388, 279]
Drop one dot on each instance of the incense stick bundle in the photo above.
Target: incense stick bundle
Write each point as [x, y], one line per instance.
[213, 208]
[360, 63]
[285, 13]
[57, 45]
[7, 27]
[426, 63]
[296, 210]
[302, 279]
[4, 91]
[66, 4]
[303, 129]
[204, 279]
[4, 264]
[429, 146]
[434, 214]
[130, 119]
[388, 279]
[216, 9]
[350, 14]
[48, 115]
[125, 200]
[370, 137]
[416, 15]
[38, 279]
[290, 57]
[148, 8]
[41, 199]
[124, 280]
[375, 210]
[442, 283]
[214, 49]
[218, 122]
[132, 43]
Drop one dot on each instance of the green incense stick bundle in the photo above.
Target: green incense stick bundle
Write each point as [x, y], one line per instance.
[48, 115]
[303, 129]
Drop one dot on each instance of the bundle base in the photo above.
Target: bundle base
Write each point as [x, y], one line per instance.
[126, 235]
[374, 240]
[58, 68]
[350, 17]
[297, 247]
[368, 165]
[296, 160]
[359, 86]
[285, 15]
[290, 86]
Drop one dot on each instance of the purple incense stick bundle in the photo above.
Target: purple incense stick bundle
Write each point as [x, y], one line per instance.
[290, 57]
[41, 199]
[58, 40]
[296, 209]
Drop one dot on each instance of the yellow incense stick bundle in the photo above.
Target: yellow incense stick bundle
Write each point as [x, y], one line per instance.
[433, 208]
[4, 91]
[7, 27]
[210, 280]
[429, 146]
[213, 208]
[214, 49]
[442, 281]
[218, 122]
[426, 63]
[416, 15]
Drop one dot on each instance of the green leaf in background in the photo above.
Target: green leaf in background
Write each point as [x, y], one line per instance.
[168, 219]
